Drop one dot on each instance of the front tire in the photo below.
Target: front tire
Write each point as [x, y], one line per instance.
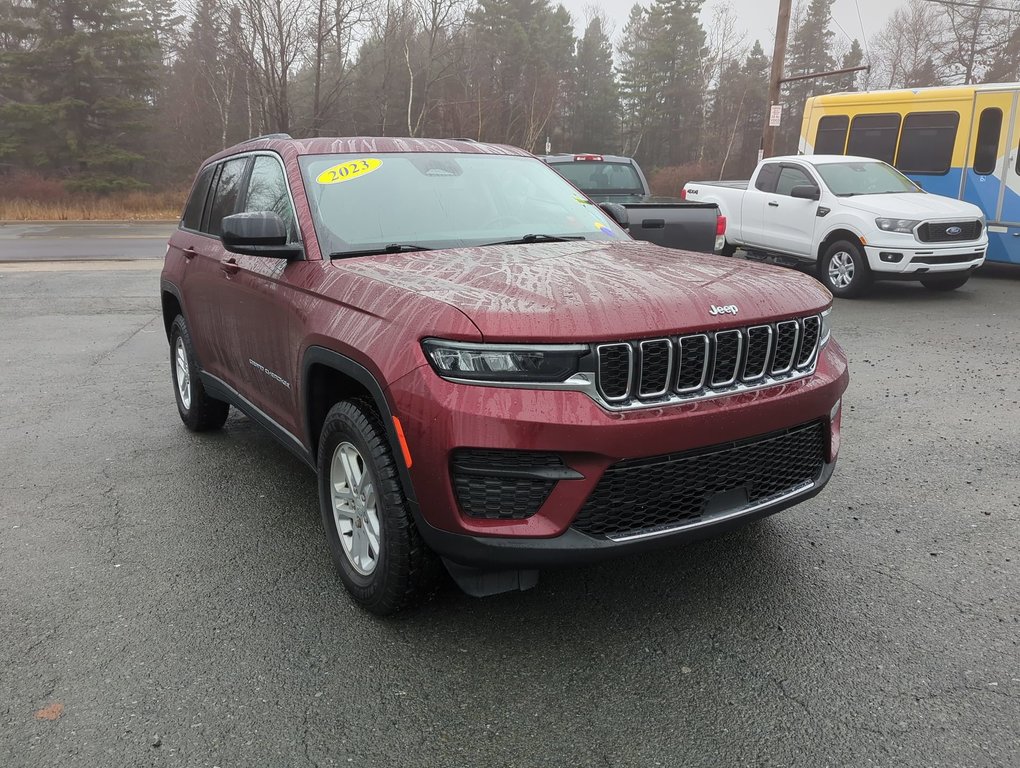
[199, 411]
[844, 270]
[945, 282]
[372, 536]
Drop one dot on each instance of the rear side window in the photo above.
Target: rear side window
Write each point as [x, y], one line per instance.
[987, 151]
[268, 191]
[601, 178]
[926, 145]
[831, 136]
[228, 187]
[791, 177]
[192, 218]
[874, 136]
[767, 177]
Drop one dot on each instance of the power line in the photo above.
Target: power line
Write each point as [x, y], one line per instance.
[979, 6]
[864, 34]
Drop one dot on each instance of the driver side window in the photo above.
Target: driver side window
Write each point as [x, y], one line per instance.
[791, 177]
[268, 191]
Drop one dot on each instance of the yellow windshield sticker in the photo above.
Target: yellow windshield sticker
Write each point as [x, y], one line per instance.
[352, 169]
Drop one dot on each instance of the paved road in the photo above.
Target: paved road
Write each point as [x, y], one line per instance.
[83, 240]
[167, 598]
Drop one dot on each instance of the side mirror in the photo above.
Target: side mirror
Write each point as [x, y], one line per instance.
[617, 213]
[806, 192]
[261, 233]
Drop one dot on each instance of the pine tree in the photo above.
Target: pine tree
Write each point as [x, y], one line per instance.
[810, 52]
[86, 73]
[595, 115]
[852, 58]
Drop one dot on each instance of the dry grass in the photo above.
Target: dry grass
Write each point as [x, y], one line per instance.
[25, 197]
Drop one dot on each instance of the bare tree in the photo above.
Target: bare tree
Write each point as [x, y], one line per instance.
[438, 23]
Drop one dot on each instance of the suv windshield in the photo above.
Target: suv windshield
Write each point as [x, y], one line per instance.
[428, 200]
[864, 178]
[601, 178]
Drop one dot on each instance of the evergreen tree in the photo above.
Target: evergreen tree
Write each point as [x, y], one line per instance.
[852, 58]
[810, 52]
[595, 115]
[85, 73]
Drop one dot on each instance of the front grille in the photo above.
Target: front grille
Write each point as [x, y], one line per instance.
[647, 494]
[938, 232]
[654, 371]
[504, 485]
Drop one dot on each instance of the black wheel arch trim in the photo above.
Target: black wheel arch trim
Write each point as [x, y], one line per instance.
[166, 286]
[316, 355]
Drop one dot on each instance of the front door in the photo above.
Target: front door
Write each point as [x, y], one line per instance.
[790, 221]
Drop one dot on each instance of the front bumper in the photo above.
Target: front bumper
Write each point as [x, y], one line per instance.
[439, 417]
[919, 259]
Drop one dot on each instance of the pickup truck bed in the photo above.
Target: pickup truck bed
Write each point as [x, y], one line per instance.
[667, 221]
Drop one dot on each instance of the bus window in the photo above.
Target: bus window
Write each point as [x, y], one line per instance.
[874, 136]
[831, 136]
[926, 145]
[987, 150]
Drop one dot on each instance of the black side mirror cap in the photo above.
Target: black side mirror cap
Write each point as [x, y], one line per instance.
[617, 213]
[260, 233]
[806, 192]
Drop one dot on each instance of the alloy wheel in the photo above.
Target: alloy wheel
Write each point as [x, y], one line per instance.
[355, 508]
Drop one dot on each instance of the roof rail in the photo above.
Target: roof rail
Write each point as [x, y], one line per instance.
[461, 138]
[268, 136]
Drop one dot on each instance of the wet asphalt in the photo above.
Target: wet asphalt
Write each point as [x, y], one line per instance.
[167, 599]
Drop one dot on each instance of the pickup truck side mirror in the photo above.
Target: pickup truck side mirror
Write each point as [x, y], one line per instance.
[806, 192]
[261, 233]
[617, 213]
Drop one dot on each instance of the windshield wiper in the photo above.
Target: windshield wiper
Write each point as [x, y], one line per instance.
[391, 248]
[539, 239]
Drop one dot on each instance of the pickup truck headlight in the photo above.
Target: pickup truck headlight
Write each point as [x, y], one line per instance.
[504, 363]
[906, 226]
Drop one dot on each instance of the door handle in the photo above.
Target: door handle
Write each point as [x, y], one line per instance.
[773, 204]
[229, 265]
[654, 223]
[189, 253]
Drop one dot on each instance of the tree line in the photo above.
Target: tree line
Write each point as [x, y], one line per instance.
[116, 94]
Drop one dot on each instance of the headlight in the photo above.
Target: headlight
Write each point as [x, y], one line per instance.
[825, 331]
[897, 225]
[507, 363]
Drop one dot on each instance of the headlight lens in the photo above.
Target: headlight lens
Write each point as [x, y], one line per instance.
[825, 331]
[905, 226]
[506, 363]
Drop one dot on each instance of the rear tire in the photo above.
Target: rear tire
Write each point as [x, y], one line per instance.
[372, 536]
[844, 270]
[199, 411]
[945, 282]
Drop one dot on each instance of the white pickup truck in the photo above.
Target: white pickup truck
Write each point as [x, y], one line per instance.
[852, 218]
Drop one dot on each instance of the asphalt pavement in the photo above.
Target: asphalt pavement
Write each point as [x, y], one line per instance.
[167, 599]
[83, 240]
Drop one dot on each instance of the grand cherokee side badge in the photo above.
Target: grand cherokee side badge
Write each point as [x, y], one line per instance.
[729, 309]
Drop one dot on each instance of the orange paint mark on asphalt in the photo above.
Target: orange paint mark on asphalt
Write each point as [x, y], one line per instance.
[52, 712]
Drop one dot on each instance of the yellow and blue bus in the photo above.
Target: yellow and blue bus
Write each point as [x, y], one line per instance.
[961, 141]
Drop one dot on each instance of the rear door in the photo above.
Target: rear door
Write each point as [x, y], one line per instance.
[790, 221]
[752, 205]
[1009, 210]
[203, 284]
[988, 161]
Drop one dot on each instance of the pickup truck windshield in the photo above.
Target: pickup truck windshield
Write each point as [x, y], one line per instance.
[599, 178]
[368, 202]
[849, 179]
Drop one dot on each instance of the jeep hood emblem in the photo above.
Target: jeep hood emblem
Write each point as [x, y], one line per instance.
[729, 309]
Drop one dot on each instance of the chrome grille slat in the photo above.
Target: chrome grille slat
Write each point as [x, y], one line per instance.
[663, 371]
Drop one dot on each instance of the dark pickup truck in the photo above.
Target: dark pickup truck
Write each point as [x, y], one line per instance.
[665, 221]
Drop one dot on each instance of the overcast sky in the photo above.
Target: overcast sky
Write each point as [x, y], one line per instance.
[758, 17]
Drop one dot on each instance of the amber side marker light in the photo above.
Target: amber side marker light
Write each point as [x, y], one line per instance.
[403, 441]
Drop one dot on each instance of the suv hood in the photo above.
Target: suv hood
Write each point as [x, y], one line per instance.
[595, 291]
[912, 205]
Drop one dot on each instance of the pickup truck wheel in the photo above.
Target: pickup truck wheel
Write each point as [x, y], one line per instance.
[375, 544]
[945, 282]
[199, 411]
[844, 269]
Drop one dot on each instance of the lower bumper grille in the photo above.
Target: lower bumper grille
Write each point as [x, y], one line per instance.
[505, 485]
[642, 494]
[956, 258]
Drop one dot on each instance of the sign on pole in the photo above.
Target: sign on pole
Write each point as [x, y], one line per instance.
[776, 116]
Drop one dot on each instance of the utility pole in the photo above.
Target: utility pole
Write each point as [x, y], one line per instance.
[768, 138]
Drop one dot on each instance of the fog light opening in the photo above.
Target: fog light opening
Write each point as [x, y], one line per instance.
[890, 258]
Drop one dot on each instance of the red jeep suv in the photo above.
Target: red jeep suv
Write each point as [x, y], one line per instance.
[483, 369]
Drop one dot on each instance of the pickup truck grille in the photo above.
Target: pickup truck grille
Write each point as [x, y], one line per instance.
[645, 496]
[694, 366]
[939, 232]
